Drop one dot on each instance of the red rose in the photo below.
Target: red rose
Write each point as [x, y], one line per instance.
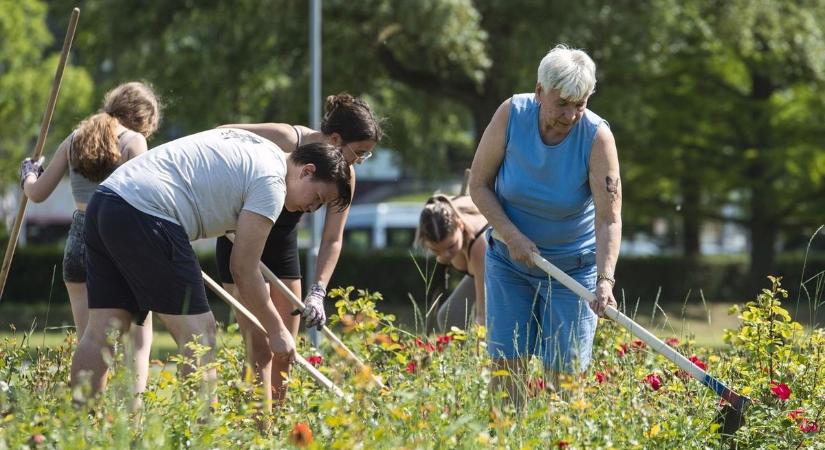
[672, 341]
[601, 377]
[808, 426]
[653, 381]
[780, 390]
[698, 362]
[412, 367]
[315, 360]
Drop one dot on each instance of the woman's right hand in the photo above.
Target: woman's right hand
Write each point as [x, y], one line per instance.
[282, 345]
[521, 248]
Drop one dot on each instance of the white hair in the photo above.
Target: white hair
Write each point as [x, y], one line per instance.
[569, 70]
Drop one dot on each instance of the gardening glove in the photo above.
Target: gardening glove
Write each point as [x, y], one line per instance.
[28, 167]
[313, 311]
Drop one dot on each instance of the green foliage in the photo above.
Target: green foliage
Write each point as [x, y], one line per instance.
[28, 59]
[438, 394]
[770, 349]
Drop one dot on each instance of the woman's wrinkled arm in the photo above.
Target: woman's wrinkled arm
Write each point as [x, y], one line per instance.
[483, 173]
[605, 183]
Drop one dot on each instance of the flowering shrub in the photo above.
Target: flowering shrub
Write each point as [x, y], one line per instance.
[437, 393]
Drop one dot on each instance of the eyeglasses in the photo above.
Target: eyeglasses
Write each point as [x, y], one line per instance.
[359, 158]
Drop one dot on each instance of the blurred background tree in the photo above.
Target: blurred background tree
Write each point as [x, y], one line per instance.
[29, 52]
[714, 104]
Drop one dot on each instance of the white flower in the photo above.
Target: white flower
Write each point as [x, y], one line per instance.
[4, 387]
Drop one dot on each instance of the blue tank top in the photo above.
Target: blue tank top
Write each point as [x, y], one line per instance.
[544, 189]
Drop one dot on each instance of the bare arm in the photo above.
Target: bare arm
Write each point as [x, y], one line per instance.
[477, 265]
[282, 134]
[40, 189]
[606, 186]
[483, 173]
[332, 240]
[250, 237]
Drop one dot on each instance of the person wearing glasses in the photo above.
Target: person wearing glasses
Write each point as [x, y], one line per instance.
[349, 125]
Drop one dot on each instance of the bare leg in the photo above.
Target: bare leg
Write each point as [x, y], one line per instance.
[88, 362]
[284, 308]
[79, 299]
[139, 351]
[512, 383]
[185, 329]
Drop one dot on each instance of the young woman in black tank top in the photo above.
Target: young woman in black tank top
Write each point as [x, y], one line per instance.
[350, 125]
[453, 230]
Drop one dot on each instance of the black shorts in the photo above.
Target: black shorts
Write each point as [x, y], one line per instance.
[280, 251]
[138, 262]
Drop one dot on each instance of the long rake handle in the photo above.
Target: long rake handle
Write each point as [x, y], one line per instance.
[38, 148]
[297, 303]
[739, 402]
[229, 299]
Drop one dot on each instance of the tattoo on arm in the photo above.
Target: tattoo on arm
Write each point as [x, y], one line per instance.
[612, 186]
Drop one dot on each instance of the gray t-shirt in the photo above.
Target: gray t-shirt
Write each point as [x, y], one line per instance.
[203, 181]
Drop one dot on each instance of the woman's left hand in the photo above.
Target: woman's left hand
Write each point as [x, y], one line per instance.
[604, 298]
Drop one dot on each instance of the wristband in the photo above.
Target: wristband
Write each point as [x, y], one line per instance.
[603, 276]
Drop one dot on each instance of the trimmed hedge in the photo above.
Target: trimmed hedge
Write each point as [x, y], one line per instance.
[394, 274]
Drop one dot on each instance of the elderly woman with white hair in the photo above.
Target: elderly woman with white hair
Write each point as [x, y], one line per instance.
[546, 177]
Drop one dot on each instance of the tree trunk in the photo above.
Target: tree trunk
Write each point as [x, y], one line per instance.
[691, 220]
[764, 233]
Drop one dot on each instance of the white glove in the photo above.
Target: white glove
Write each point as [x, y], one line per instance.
[313, 311]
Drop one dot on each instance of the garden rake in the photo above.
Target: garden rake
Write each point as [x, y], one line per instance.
[732, 414]
[297, 303]
[229, 299]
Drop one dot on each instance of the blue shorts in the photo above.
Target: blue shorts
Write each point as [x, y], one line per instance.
[138, 262]
[526, 315]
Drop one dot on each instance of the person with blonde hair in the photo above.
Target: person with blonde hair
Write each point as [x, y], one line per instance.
[349, 125]
[546, 176]
[452, 229]
[102, 142]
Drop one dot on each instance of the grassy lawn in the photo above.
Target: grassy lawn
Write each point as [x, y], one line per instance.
[704, 326]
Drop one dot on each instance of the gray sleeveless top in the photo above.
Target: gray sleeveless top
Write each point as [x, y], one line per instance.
[82, 187]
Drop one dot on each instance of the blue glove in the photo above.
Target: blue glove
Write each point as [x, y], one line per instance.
[28, 167]
[313, 311]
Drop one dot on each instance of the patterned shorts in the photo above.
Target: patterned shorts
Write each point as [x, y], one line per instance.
[74, 265]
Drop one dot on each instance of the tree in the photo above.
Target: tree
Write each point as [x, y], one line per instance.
[28, 59]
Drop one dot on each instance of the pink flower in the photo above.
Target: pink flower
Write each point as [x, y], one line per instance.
[412, 367]
[315, 360]
[653, 381]
[601, 377]
[780, 390]
[38, 438]
[535, 386]
[796, 414]
[621, 349]
[672, 341]
[698, 362]
[808, 426]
